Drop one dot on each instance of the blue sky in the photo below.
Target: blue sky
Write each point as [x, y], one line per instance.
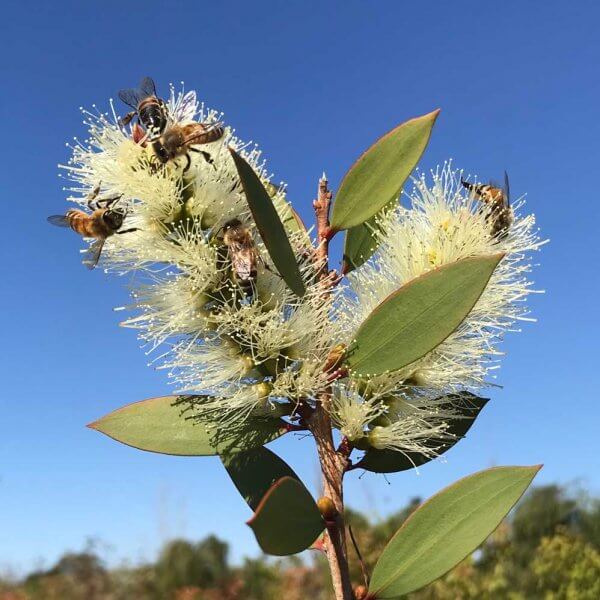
[313, 83]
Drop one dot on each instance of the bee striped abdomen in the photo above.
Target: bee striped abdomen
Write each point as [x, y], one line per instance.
[502, 218]
[201, 133]
[87, 225]
[79, 222]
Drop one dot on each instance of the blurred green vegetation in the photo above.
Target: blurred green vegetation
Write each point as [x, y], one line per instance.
[549, 548]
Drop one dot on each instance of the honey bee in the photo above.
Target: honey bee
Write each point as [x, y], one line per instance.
[150, 109]
[178, 140]
[104, 221]
[497, 198]
[242, 254]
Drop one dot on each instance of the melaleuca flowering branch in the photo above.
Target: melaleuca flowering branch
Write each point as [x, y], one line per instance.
[256, 346]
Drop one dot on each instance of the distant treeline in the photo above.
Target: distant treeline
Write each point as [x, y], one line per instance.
[548, 549]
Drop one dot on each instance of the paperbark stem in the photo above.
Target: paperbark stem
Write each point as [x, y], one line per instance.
[333, 464]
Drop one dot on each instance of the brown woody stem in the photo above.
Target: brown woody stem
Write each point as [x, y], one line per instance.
[333, 464]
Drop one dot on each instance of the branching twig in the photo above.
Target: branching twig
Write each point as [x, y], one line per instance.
[321, 206]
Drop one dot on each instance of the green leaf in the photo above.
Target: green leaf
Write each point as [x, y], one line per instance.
[289, 217]
[166, 425]
[287, 520]
[447, 528]
[419, 316]
[255, 471]
[361, 241]
[467, 405]
[377, 177]
[269, 225]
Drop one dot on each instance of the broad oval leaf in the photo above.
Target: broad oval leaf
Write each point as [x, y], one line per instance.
[164, 425]
[419, 316]
[269, 225]
[467, 405]
[447, 528]
[377, 177]
[254, 472]
[287, 520]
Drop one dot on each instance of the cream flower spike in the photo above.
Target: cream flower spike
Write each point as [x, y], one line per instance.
[445, 224]
[190, 315]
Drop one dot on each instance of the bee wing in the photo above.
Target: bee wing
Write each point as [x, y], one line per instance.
[147, 87]
[59, 220]
[92, 256]
[131, 96]
[506, 188]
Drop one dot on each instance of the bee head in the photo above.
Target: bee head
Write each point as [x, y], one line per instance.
[231, 224]
[113, 218]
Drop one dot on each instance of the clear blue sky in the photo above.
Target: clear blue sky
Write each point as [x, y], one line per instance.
[314, 83]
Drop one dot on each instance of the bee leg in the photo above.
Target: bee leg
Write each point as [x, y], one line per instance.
[128, 230]
[207, 157]
[93, 195]
[247, 288]
[251, 291]
[154, 165]
[188, 162]
[124, 121]
[139, 136]
[107, 202]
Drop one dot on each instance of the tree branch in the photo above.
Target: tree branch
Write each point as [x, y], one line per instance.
[333, 464]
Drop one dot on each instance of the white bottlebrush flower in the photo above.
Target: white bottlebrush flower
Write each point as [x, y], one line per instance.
[227, 412]
[445, 224]
[239, 354]
[208, 365]
[352, 413]
[172, 306]
[411, 435]
[399, 421]
[415, 425]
